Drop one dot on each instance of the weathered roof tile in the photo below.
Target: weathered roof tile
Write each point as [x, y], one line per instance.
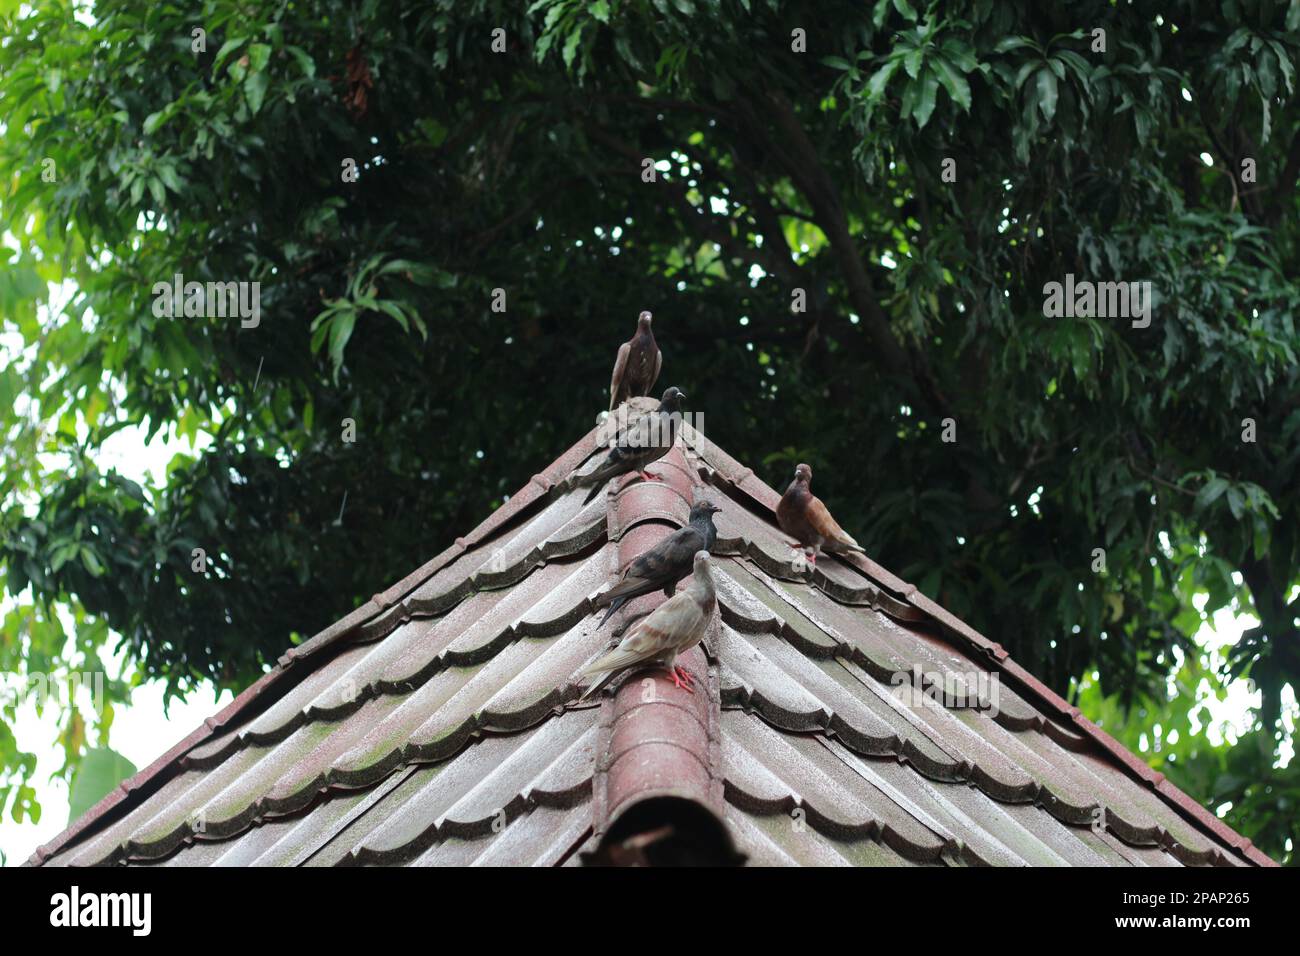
[840, 718]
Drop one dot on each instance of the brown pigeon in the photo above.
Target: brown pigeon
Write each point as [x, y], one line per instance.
[637, 367]
[673, 628]
[666, 563]
[802, 515]
[647, 439]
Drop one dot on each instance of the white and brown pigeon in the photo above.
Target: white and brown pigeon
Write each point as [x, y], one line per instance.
[637, 367]
[673, 628]
[647, 439]
[802, 515]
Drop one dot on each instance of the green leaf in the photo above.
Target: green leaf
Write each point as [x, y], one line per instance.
[255, 89]
[258, 56]
[155, 120]
[101, 770]
[571, 47]
[1047, 93]
[167, 173]
[304, 61]
[340, 332]
[1007, 44]
[1236, 503]
[227, 48]
[912, 61]
[953, 82]
[91, 562]
[925, 100]
[1209, 493]
[876, 85]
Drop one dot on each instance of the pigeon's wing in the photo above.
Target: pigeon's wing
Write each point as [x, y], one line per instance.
[671, 556]
[639, 433]
[793, 518]
[672, 625]
[639, 444]
[654, 376]
[679, 626]
[620, 368]
[827, 527]
[667, 562]
[651, 637]
[633, 585]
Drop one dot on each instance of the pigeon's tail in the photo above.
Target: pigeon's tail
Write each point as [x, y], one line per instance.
[614, 606]
[620, 594]
[609, 666]
[844, 543]
[597, 480]
[597, 686]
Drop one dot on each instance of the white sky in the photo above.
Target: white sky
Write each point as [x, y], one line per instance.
[141, 732]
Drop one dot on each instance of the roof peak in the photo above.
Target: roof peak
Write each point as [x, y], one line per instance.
[466, 667]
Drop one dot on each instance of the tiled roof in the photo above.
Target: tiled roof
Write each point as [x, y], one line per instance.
[439, 723]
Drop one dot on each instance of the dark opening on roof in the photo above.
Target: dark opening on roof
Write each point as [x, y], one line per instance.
[666, 831]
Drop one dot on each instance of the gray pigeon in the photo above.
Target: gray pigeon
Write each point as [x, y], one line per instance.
[637, 367]
[673, 628]
[666, 563]
[647, 439]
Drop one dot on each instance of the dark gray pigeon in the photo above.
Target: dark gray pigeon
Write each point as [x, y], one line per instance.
[666, 563]
[647, 439]
[637, 367]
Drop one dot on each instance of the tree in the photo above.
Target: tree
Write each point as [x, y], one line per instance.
[847, 223]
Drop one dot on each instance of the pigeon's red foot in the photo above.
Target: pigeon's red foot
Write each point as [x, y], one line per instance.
[649, 477]
[682, 678]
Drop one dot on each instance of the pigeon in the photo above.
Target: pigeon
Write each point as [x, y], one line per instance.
[802, 515]
[648, 439]
[673, 628]
[666, 563]
[637, 367]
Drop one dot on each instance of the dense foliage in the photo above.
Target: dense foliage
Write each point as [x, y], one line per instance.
[798, 146]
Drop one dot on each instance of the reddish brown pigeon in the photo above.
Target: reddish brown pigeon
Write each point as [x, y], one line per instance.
[802, 515]
[637, 367]
[673, 628]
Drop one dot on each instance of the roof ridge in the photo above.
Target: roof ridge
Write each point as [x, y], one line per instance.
[648, 720]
